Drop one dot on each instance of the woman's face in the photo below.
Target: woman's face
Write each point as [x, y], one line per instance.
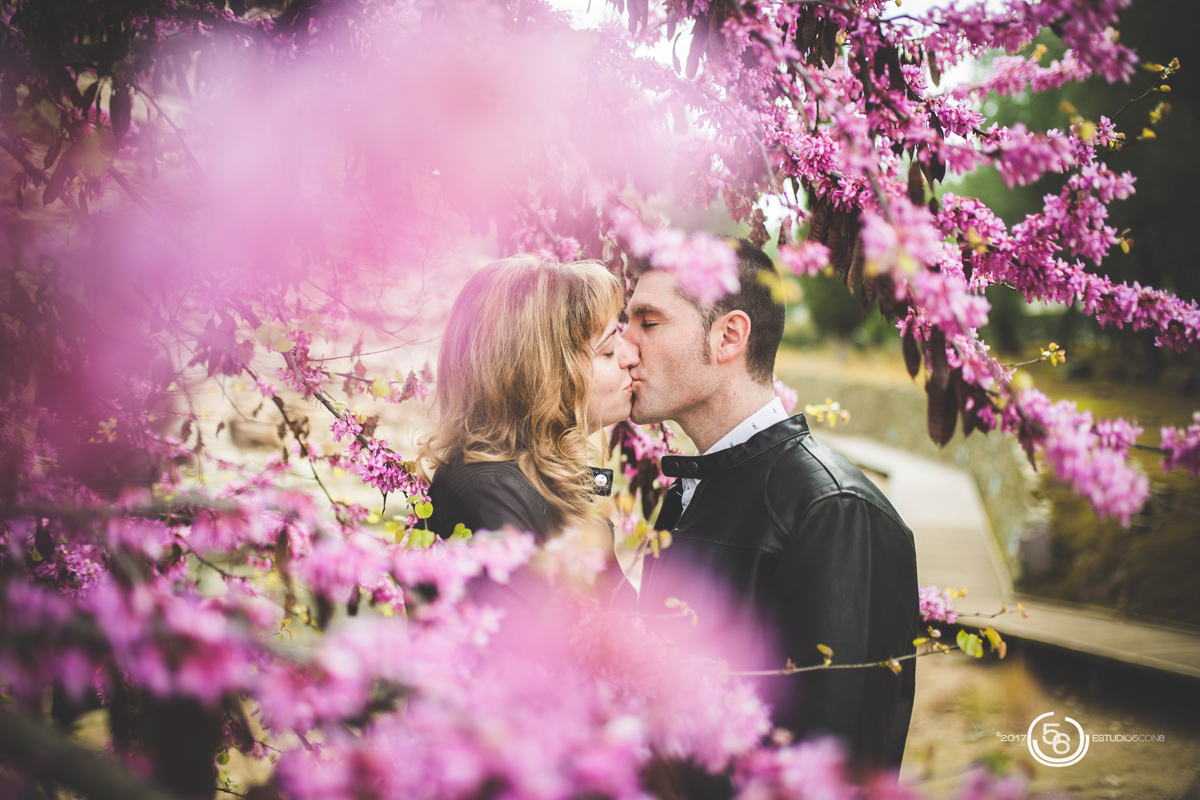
[612, 388]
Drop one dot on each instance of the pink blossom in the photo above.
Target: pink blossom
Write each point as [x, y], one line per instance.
[937, 605]
[705, 266]
[902, 238]
[1183, 447]
[807, 258]
[1071, 445]
[347, 426]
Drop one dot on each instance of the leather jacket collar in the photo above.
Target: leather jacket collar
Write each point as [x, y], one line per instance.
[700, 467]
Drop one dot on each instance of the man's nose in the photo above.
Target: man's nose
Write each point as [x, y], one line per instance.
[628, 354]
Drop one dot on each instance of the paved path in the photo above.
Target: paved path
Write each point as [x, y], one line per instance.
[955, 548]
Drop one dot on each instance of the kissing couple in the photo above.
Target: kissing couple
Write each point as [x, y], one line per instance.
[778, 542]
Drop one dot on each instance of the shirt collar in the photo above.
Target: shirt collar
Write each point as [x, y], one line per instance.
[760, 420]
[707, 465]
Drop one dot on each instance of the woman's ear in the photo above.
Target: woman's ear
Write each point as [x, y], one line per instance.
[731, 334]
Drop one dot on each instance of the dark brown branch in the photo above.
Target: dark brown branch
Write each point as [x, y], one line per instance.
[35, 172]
[29, 742]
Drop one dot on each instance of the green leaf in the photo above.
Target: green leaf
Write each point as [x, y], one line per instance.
[970, 644]
[998, 644]
[423, 510]
[420, 539]
[461, 532]
[223, 758]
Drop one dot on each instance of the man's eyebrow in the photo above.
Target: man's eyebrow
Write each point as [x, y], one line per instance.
[643, 308]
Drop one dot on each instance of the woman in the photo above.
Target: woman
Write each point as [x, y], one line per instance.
[531, 365]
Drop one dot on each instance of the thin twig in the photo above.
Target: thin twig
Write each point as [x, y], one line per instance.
[816, 667]
[1023, 363]
[1128, 103]
[222, 572]
[182, 139]
[137, 198]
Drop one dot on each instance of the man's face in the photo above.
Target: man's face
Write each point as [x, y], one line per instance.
[672, 375]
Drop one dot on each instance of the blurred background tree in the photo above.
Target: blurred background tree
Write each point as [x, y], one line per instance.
[1159, 217]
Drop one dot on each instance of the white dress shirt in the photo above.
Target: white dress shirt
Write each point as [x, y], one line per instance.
[760, 420]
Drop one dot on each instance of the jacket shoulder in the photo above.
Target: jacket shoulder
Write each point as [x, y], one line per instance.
[458, 477]
[487, 494]
[808, 471]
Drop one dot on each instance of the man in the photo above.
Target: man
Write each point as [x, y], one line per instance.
[799, 547]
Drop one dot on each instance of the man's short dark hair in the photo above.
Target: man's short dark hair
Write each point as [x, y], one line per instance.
[757, 275]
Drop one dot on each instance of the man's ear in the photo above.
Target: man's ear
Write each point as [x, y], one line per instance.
[730, 335]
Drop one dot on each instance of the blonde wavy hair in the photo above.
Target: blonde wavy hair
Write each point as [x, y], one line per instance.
[515, 373]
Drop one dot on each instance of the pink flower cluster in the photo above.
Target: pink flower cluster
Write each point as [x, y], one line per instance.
[905, 231]
[937, 605]
[1023, 157]
[347, 426]
[1183, 447]
[705, 266]
[947, 302]
[806, 258]
[1029, 258]
[1085, 29]
[1079, 452]
[1011, 75]
[648, 444]
[385, 470]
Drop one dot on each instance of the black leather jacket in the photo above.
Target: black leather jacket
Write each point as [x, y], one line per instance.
[805, 550]
[490, 495]
[487, 495]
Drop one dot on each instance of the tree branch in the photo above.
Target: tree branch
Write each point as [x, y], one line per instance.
[32, 744]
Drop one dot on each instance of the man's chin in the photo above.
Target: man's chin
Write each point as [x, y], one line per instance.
[640, 414]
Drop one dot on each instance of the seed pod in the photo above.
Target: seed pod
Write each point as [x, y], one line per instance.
[912, 353]
[699, 40]
[916, 186]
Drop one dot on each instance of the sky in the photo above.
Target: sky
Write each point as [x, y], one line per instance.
[601, 10]
[593, 13]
